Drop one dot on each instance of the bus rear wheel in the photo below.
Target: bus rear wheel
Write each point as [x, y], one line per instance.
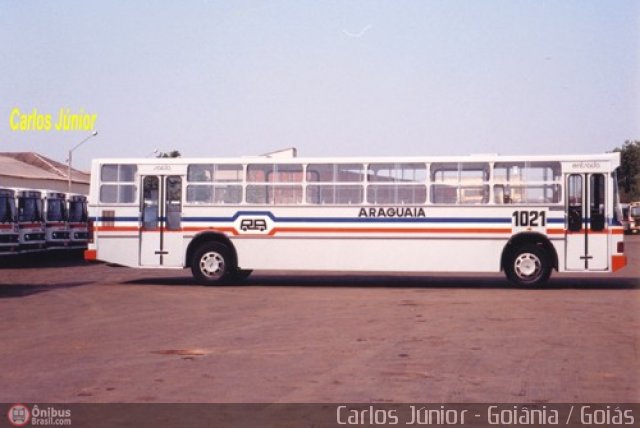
[212, 263]
[528, 266]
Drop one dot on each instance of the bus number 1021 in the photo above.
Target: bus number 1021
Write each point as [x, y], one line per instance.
[529, 218]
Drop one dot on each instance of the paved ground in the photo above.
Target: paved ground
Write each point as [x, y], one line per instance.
[76, 332]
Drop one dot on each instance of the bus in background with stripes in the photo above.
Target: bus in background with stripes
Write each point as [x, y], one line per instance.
[8, 222]
[78, 221]
[31, 220]
[224, 217]
[56, 218]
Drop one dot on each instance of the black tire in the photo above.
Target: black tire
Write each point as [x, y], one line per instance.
[528, 265]
[211, 264]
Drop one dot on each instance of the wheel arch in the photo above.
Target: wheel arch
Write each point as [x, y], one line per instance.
[529, 238]
[209, 236]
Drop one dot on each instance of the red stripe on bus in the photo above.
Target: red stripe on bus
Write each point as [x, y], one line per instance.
[190, 229]
[312, 230]
[589, 232]
[231, 230]
[614, 231]
[29, 225]
[117, 228]
[184, 229]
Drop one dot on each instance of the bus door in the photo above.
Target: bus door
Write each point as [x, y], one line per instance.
[160, 220]
[586, 234]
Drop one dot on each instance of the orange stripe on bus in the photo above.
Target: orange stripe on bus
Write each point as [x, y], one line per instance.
[313, 230]
[156, 230]
[231, 230]
[591, 232]
[116, 228]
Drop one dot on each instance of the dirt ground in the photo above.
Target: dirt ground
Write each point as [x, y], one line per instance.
[78, 332]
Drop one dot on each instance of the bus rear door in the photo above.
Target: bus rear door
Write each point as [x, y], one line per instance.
[586, 234]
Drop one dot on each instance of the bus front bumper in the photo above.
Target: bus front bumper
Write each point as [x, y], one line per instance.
[618, 261]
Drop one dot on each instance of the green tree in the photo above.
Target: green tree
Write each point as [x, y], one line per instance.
[171, 154]
[629, 171]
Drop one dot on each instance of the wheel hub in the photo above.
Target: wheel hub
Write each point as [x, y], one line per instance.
[527, 265]
[212, 264]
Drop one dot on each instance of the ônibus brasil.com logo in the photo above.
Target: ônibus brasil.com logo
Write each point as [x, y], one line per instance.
[19, 415]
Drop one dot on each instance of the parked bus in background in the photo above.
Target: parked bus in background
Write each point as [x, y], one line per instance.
[8, 225]
[633, 217]
[222, 217]
[78, 221]
[56, 225]
[31, 225]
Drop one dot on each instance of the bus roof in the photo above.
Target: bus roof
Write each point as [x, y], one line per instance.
[614, 158]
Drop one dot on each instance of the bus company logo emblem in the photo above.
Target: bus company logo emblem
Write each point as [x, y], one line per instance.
[19, 415]
[253, 225]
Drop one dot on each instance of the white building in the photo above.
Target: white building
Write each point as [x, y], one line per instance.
[33, 171]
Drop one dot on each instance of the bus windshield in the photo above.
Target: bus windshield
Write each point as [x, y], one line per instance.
[56, 210]
[77, 211]
[29, 209]
[7, 209]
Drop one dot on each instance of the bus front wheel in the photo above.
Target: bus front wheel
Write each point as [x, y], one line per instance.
[211, 263]
[528, 265]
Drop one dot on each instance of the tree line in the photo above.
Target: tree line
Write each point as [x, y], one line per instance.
[629, 171]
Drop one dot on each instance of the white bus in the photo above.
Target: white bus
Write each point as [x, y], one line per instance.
[8, 222]
[223, 217]
[78, 221]
[31, 225]
[56, 219]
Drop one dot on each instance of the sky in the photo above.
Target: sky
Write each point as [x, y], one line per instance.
[331, 78]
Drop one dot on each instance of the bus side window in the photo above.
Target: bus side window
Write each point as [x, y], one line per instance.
[498, 194]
